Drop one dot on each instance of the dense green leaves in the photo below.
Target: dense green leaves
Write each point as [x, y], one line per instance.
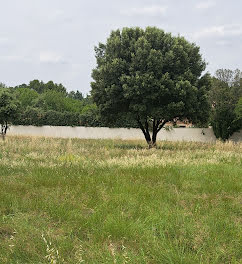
[224, 96]
[26, 96]
[39, 117]
[238, 109]
[8, 110]
[48, 104]
[90, 116]
[53, 100]
[42, 103]
[41, 87]
[150, 74]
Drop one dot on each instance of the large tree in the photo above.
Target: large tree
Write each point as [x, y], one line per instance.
[151, 76]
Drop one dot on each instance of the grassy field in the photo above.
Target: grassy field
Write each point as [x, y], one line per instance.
[110, 201]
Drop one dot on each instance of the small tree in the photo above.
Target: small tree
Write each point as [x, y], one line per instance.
[224, 122]
[151, 76]
[224, 96]
[8, 111]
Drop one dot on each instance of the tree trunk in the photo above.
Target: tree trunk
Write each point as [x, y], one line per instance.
[154, 132]
[151, 144]
[157, 126]
[4, 129]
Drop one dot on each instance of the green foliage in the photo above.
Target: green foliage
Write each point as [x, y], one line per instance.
[123, 121]
[8, 110]
[224, 96]
[26, 96]
[76, 95]
[90, 116]
[54, 118]
[150, 75]
[238, 113]
[53, 100]
[238, 109]
[40, 117]
[223, 122]
[2, 85]
[48, 104]
[41, 87]
[30, 116]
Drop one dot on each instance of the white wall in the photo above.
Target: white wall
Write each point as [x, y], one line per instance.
[177, 134]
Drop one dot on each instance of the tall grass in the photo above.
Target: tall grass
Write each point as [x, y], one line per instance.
[112, 201]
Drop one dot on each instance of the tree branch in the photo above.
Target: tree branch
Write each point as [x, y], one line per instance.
[160, 125]
[6, 128]
[141, 126]
[154, 125]
[146, 126]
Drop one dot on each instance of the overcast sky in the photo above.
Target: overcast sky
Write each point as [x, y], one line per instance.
[54, 39]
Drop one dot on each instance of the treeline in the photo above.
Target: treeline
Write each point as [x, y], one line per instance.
[49, 103]
[40, 103]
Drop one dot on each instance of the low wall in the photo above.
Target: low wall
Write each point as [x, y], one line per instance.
[176, 134]
[237, 136]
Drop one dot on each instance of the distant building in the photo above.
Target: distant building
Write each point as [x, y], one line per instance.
[178, 123]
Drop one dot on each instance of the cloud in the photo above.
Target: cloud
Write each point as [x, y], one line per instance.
[205, 5]
[51, 57]
[44, 57]
[57, 14]
[3, 40]
[14, 58]
[220, 31]
[223, 43]
[147, 11]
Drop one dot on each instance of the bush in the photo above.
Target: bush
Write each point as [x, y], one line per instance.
[224, 122]
[38, 117]
[224, 96]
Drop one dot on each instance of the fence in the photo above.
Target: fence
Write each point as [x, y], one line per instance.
[176, 134]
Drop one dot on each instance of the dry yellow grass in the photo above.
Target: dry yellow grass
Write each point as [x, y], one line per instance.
[48, 152]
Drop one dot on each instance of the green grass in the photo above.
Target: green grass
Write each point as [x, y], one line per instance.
[110, 201]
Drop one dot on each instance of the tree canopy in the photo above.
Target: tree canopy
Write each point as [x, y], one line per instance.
[152, 76]
[41, 87]
[49, 103]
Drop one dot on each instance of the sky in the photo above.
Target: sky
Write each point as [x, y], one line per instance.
[55, 39]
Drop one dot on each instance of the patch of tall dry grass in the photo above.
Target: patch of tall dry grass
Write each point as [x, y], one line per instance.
[49, 152]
